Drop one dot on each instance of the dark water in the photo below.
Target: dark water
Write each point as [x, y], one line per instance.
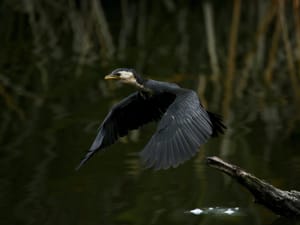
[40, 185]
[53, 98]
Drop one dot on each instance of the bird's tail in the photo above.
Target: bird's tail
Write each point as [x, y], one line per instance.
[217, 124]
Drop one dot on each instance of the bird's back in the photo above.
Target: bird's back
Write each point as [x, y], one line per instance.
[160, 86]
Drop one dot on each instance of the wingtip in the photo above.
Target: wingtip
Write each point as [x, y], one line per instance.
[86, 158]
[79, 166]
[81, 163]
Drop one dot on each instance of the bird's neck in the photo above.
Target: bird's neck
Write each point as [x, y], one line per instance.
[142, 86]
[139, 86]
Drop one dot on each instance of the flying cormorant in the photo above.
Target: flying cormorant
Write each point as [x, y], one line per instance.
[183, 124]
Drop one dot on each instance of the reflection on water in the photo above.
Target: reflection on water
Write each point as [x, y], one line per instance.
[217, 211]
[242, 58]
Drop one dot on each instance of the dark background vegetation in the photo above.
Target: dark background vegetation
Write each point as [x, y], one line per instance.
[242, 57]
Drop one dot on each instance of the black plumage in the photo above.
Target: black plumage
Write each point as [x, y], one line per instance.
[183, 124]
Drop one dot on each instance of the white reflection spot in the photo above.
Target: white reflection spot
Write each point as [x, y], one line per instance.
[196, 211]
[229, 211]
[216, 211]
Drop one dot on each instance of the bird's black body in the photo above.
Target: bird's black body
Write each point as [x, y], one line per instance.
[183, 124]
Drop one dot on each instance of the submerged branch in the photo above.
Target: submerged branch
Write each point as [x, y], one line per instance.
[284, 203]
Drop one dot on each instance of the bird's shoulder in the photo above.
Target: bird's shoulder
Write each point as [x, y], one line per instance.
[184, 97]
[161, 86]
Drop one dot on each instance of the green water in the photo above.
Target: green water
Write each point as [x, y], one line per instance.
[53, 98]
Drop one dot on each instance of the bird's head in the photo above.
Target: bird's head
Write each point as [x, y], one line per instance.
[128, 76]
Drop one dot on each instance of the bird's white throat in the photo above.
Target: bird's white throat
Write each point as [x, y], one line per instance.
[127, 77]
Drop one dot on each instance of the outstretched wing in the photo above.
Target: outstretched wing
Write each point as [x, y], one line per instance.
[183, 128]
[129, 114]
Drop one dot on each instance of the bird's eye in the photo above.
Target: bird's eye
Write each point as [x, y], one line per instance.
[118, 74]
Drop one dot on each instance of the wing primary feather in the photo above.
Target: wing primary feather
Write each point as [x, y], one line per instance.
[148, 154]
[203, 121]
[191, 135]
[174, 157]
[86, 158]
[164, 152]
[183, 145]
[190, 147]
[90, 153]
[199, 136]
[145, 154]
[158, 156]
[179, 153]
[167, 155]
[203, 133]
[203, 125]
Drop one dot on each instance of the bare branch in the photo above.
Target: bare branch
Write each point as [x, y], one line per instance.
[284, 203]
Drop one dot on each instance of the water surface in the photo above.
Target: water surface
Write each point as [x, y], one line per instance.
[53, 97]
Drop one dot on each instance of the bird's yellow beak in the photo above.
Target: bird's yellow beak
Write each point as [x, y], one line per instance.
[111, 77]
